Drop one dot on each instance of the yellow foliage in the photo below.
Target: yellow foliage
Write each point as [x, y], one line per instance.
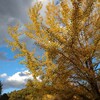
[70, 37]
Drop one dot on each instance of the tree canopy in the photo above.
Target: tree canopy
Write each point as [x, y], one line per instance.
[69, 34]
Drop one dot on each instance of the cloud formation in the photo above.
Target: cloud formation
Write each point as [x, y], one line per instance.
[12, 11]
[4, 75]
[18, 80]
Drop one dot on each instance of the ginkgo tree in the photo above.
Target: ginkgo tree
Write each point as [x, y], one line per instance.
[69, 34]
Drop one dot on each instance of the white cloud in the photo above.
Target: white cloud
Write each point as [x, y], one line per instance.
[20, 77]
[17, 80]
[3, 75]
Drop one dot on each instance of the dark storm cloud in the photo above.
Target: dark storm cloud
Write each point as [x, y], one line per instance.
[12, 11]
[15, 8]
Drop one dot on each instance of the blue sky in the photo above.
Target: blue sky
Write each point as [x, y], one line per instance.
[12, 74]
[9, 63]
[9, 66]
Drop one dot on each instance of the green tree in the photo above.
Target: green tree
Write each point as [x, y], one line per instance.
[71, 43]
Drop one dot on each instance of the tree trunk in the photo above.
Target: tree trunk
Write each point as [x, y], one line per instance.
[93, 81]
[95, 90]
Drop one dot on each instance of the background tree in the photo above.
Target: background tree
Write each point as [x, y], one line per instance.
[4, 97]
[0, 88]
[71, 43]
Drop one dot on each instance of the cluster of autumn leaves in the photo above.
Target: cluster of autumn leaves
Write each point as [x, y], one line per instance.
[69, 34]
